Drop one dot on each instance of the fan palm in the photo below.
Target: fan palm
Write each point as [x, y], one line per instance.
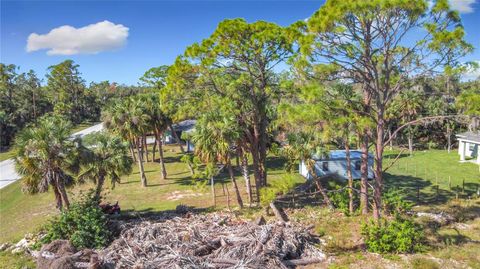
[214, 134]
[46, 156]
[106, 158]
[158, 123]
[129, 120]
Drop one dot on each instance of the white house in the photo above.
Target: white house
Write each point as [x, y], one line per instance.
[469, 146]
[336, 164]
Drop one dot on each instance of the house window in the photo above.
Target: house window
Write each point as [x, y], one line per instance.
[325, 166]
[357, 165]
[471, 147]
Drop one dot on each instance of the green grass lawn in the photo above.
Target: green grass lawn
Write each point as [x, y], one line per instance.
[425, 169]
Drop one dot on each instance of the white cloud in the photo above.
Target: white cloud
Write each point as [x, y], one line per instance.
[471, 73]
[462, 6]
[91, 39]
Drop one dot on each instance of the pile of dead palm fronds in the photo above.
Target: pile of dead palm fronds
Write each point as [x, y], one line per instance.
[214, 240]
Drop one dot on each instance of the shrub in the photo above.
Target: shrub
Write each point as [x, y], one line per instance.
[395, 236]
[394, 202]
[84, 224]
[278, 187]
[340, 197]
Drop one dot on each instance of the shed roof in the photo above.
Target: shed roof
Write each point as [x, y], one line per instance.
[470, 136]
[341, 155]
[185, 126]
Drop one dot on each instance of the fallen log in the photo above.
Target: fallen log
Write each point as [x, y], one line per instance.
[279, 213]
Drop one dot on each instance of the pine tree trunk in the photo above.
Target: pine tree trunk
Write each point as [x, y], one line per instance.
[143, 179]
[364, 174]
[349, 176]
[378, 186]
[246, 176]
[320, 187]
[235, 186]
[160, 153]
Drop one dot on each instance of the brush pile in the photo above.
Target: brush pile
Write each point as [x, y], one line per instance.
[211, 241]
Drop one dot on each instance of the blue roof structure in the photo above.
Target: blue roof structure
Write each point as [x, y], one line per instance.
[341, 155]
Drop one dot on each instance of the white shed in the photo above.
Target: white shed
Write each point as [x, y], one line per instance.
[336, 164]
[468, 146]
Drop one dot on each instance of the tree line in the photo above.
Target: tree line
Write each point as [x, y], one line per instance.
[23, 98]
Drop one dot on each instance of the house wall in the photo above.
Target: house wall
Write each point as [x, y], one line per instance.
[471, 149]
[336, 167]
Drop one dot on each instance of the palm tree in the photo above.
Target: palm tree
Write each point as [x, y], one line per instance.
[408, 105]
[158, 123]
[129, 120]
[47, 156]
[106, 158]
[213, 137]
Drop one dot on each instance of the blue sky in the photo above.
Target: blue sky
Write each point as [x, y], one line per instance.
[157, 31]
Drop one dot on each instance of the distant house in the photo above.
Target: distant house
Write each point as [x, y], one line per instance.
[469, 145]
[336, 164]
[186, 126]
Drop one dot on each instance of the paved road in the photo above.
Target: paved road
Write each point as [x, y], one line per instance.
[8, 174]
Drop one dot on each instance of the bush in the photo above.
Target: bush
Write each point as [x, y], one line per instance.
[278, 187]
[394, 202]
[394, 236]
[340, 197]
[84, 224]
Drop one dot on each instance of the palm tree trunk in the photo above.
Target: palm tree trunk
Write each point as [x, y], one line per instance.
[143, 179]
[390, 138]
[160, 153]
[132, 150]
[58, 197]
[154, 150]
[174, 134]
[214, 196]
[100, 182]
[246, 176]
[449, 138]
[349, 175]
[410, 143]
[63, 192]
[234, 182]
[145, 148]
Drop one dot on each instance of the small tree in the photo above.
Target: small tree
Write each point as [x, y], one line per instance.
[106, 159]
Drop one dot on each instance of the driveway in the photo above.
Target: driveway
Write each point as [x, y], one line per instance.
[7, 168]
